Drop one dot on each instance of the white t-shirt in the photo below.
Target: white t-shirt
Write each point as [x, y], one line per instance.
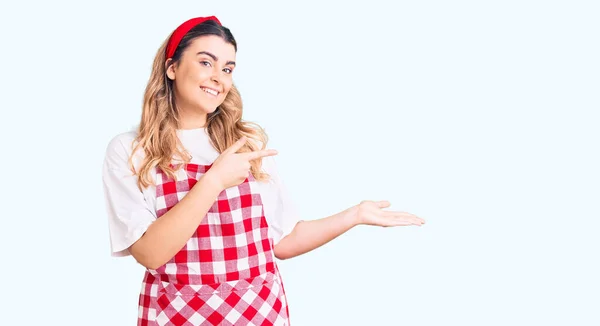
[131, 211]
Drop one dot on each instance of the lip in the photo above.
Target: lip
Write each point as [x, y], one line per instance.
[216, 90]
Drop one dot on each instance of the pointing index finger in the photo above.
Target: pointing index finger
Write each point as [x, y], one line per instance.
[260, 154]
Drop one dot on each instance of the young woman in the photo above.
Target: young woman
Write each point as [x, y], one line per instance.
[194, 195]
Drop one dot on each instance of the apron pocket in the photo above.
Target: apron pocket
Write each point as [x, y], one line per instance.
[218, 303]
[176, 307]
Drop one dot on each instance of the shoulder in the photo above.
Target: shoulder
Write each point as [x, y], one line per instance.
[120, 148]
[269, 166]
[124, 139]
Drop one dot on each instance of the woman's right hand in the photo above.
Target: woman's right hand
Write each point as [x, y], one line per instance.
[231, 168]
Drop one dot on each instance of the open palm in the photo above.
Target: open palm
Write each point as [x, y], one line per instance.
[372, 213]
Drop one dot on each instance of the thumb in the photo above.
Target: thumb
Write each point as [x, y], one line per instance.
[383, 204]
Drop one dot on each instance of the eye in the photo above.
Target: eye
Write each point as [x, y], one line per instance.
[205, 63]
[228, 70]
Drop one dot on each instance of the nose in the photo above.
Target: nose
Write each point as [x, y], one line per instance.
[216, 76]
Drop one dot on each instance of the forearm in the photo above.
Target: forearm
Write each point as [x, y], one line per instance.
[309, 235]
[169, 233]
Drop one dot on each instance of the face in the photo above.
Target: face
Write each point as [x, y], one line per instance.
[203, 76]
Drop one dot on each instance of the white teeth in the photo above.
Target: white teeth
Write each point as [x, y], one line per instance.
[210, 91]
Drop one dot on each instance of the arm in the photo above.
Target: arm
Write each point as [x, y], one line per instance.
[168, 234]
[309, 235]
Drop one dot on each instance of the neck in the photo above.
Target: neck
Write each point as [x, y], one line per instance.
[191, 119]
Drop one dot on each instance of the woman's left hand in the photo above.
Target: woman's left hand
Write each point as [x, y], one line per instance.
[371, 213]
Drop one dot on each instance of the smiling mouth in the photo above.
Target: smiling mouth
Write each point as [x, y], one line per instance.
[210, 91]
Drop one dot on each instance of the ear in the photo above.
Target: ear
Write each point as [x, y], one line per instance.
[170, 67]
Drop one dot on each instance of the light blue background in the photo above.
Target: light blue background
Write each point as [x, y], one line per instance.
[479, 116]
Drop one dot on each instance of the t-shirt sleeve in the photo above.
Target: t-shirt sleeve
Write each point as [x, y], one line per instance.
[129, 215]
[283, 215]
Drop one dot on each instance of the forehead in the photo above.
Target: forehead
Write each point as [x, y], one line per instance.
[213, 44]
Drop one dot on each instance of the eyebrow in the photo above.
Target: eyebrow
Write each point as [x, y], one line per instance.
[214, 57]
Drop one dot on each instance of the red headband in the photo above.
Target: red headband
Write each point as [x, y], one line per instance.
[182, 30]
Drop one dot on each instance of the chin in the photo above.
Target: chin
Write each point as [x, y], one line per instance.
[211, 110]
[210, 107]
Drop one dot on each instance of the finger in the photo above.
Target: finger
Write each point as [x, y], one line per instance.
[417, 221]
[398, 222]
[397, 214]
[260, 154]
[383, 204]
[405, 215]
[402, 218]
[237, 145]
[404, 221]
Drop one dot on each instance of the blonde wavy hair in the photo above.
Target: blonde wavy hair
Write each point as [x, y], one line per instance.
[157, 132]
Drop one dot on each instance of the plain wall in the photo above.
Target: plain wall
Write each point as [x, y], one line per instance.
[481, 117]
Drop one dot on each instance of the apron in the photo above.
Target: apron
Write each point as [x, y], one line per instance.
[226, 273]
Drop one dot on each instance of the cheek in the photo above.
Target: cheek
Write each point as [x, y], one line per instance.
[227, 86]
[196, 76]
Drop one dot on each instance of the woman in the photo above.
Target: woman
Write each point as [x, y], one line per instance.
[194, 195]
